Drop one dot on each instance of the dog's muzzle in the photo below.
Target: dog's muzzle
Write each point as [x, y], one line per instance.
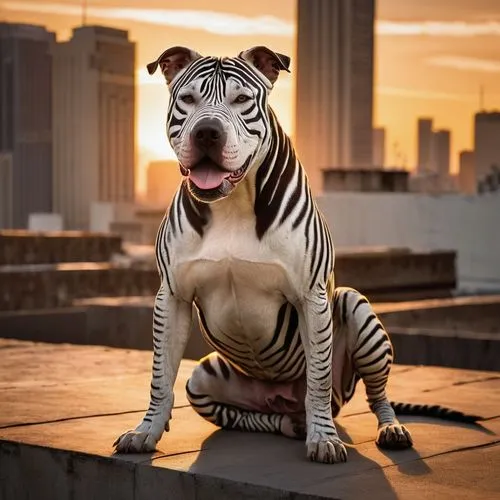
[208, 181]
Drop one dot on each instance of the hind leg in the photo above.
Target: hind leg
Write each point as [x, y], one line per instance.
[229, 399]
[372, 356]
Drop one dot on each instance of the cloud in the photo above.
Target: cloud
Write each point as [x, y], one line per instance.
[221, 23]
[229, 24]
[466, 63]
[420, 94]
[434, 28]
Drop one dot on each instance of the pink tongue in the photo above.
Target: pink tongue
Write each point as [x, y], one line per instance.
[207, 176]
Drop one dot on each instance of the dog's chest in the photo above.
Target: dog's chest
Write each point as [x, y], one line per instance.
[238, 281]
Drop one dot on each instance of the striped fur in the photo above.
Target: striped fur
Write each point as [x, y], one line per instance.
[258, 264]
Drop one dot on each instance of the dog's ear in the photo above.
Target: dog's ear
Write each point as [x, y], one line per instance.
[172, 61]
[268, 62]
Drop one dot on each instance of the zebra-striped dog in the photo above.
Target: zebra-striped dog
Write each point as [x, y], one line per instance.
[244, 241]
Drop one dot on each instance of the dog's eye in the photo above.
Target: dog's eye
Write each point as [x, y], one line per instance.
[188, 99]
[242, 98]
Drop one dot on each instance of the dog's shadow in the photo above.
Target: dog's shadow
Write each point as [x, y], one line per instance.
[278, 462]
[228, 459]
[408, 462]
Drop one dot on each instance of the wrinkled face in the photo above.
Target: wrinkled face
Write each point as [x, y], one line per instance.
[218, 122]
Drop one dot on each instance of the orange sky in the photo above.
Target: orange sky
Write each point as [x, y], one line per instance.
[432, 56]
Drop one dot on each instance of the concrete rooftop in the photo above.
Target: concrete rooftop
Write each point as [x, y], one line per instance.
[62, 406]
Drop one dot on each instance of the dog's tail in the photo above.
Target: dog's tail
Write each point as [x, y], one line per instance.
[436, 411]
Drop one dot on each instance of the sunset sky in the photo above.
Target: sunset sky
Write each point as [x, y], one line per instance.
[432, 56]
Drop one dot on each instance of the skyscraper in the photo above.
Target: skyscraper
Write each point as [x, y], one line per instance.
[378, 147]
[486, 142]
[424, 144]
[6, 191]
[441, 153]
[94, 122]
[25, 119]
[334, 108]
[467, 173]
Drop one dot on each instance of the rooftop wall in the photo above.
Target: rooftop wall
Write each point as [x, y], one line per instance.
[467, 224]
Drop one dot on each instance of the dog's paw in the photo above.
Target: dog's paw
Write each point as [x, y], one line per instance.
[327, 449]
[394, 437]
[294, 426]
[135, 442]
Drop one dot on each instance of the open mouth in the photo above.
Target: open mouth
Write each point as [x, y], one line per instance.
[207, 174]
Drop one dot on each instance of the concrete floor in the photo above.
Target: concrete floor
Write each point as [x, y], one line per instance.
[62, 406]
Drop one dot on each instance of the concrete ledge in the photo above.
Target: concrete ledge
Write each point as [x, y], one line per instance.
[62, 407]
[380, 273]
[474, 314]
[50, 286]
[470, 350]
[45, 474]
[30, 247]
[126, 322]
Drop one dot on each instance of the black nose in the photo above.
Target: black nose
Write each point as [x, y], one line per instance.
[208, 134]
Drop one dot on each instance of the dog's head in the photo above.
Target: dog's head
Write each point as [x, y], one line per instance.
[218, 121]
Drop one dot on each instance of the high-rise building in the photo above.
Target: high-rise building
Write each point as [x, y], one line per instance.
[163, 179]
[25, 119]
[334, 96]
[425, 137]
[441, 153]
[378, 147]
[94, 122]
[6, 191]
[467, 179]
[486, 142]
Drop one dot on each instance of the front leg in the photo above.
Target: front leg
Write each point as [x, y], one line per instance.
[316, 329]
[171, 326]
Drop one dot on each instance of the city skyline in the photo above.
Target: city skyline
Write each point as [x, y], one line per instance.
[436, 75]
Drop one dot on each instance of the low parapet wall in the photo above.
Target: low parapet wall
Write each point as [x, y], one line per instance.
[396, 272]
[474, 314]
[381, 275]
[19, 247]
[48, 286]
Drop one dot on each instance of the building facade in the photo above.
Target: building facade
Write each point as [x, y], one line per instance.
[25, 118]
[93, 122]
[486, 142]
[334, 95]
